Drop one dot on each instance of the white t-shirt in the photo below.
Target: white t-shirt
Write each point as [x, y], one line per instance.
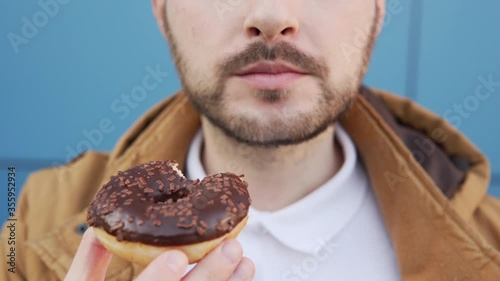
[334, 233]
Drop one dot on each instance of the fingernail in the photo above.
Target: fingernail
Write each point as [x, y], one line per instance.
[244, 271]
[232, 250]
[175, 261]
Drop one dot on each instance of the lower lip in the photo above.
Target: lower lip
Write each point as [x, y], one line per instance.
[270, 81]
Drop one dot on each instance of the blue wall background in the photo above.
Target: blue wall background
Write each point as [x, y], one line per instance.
[58, 84]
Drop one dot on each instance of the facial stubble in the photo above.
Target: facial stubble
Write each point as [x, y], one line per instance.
[333, 103]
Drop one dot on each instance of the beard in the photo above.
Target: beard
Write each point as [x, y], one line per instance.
[285, 128]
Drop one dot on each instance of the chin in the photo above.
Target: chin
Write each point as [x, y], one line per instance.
[268, 112]
[274, 102]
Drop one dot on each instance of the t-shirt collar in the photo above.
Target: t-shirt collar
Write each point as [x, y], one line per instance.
[309, 223]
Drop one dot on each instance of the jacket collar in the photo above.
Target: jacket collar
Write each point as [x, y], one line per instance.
[427, 223]
[430, 234]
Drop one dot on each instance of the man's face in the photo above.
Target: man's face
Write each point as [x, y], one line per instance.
[328, 41]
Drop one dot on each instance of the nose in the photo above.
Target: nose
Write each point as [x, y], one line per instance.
[272, 20]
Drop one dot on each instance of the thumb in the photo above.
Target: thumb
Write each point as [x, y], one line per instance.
[91, 259]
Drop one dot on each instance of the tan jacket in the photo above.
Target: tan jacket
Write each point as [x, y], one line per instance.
[432, 193]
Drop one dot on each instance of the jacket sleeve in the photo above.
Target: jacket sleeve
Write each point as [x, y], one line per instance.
[12, 241]
[487, 220]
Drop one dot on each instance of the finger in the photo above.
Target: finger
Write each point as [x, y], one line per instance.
[169, 266]
[91, 260]
[245, 271]
[218, 264]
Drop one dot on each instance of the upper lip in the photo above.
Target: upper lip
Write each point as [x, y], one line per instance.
[269, 67]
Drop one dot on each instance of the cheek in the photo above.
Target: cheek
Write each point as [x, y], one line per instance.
[192, 24]
[344, 36]
[332, 18]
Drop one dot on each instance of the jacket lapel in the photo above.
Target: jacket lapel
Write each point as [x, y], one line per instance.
[431, 239]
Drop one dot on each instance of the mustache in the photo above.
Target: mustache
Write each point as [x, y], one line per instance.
[284, 51]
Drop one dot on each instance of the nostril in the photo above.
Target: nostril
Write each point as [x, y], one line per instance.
[287, 30]
[253, 31]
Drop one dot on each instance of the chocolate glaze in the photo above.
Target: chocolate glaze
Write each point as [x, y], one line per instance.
[151, 203]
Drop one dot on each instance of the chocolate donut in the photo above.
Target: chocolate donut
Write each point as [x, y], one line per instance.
[154, 205]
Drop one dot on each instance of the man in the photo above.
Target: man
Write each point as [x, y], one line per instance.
[347, 182]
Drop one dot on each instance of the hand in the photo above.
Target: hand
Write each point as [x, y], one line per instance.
[224, 263]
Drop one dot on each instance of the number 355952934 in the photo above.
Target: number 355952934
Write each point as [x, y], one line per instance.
[11, 191]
